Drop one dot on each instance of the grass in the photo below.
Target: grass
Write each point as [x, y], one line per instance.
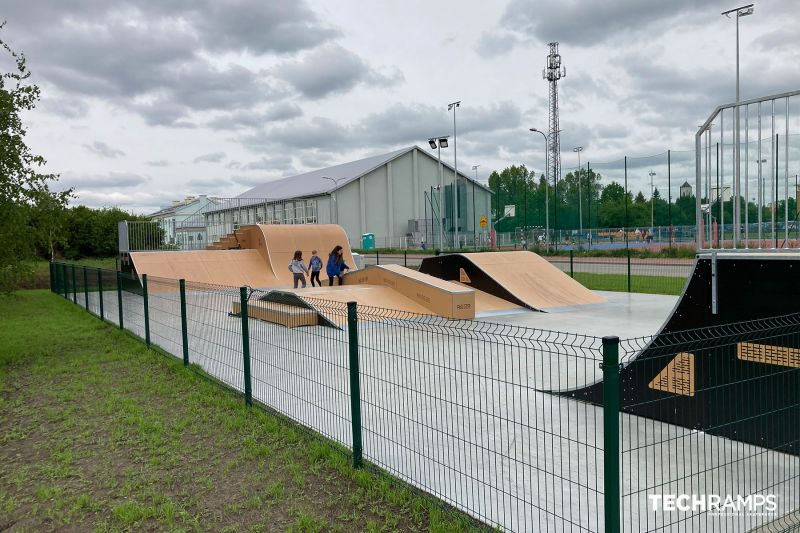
[670, 285]
[40, 270]
[97, 433]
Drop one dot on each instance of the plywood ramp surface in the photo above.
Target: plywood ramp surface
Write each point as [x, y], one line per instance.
[523, 278]
[439, 297]
[233, 268]
[277, 243]
[374, 296]
[531, 278]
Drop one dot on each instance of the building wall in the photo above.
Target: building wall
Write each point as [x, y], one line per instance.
[384, 200]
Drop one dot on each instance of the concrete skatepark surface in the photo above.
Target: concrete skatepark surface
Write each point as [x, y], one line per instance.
[473, 430]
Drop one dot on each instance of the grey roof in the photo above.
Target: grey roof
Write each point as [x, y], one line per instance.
[685, 184]
[313, 184]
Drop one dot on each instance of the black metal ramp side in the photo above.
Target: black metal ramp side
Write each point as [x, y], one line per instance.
[733, 371]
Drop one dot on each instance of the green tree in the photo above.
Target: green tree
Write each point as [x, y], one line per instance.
[24, 191]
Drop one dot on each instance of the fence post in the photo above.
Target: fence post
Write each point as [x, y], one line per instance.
[571, 266]
[184, 332]
[119, 297]
[629, 269]
[355, 382]
[52, 278]
[85, 288]
[64, 281]
[377, 257]
[611, 493]
[248, 384]
[146, 311]
[74, 286]
[100, 291]
[405, 258]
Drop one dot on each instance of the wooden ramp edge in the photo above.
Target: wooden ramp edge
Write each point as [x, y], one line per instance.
[440, 297]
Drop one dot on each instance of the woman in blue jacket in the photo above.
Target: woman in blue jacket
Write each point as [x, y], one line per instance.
[336, 265]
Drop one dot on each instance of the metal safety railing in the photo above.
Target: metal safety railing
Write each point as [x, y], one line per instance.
[745, 153]
[479, 415]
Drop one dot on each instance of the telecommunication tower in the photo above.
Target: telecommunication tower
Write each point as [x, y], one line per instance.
[553, 72]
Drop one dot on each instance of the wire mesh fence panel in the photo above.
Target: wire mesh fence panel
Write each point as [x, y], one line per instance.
[302, 372]
[132, 304]
[214, 334]
[709, 428]
[109, 295]
[165, 315]
[458, 409]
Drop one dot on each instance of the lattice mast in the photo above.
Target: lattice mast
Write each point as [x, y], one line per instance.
[553, 72]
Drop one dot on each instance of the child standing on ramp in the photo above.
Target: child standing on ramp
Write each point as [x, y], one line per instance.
[298, 268]
[336, 265]
[316, 266]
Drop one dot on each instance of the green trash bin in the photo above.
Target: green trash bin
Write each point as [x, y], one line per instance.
[368, 241]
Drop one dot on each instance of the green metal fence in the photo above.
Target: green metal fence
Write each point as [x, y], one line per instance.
[478, 414]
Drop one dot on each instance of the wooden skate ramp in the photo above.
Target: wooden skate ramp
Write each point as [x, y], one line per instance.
[523, 278]
[216, 267]
[277, 243]
[262, 259]
[439, 297]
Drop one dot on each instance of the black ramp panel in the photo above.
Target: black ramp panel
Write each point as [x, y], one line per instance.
[758, 313]
[449, 267]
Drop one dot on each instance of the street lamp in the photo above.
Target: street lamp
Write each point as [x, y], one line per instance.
[652, 200]
[578, 150]
[740, 12]
[452, 106]
[439, 143]
[333, 194]
[474, 230]
[546, 186]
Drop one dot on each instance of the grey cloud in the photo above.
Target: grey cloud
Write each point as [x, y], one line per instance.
[111, 180]
[214, 157]
[248, 119]
[149, 57]
[278, 163]
[65, 107]
[158, 163]
[331, 69]
[209, 184]
[104, 150]
[322, 133]
[584, 24]
[495, 43]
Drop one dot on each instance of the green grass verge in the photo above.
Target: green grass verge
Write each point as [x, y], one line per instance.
[619, 282]
[97, 433]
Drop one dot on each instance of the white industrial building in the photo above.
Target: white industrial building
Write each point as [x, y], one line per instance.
[402, 198]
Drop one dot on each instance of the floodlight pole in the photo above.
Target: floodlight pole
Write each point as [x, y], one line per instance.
[652, 200]
[578, 150]
[474, 229]
[546, 187]
[453, 106]
[333, 193]
[742, 11]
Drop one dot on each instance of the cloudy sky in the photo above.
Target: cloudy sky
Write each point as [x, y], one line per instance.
[147, 101]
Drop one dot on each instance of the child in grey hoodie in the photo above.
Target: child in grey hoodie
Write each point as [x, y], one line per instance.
[298, 268]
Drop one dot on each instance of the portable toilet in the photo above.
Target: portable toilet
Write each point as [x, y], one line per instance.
[368, 241]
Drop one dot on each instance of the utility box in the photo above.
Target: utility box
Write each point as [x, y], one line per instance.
[368, 241]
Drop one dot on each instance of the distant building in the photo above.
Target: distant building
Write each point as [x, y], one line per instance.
[183, 222]
[685, 190]
[390, 195]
